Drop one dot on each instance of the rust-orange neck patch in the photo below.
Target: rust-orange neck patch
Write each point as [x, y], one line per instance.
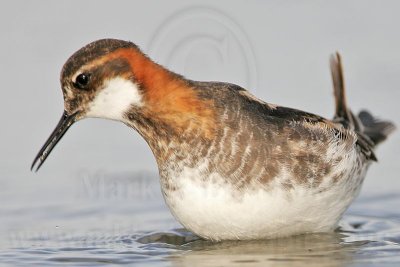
[168, 97]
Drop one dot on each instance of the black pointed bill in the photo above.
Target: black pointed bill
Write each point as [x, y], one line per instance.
[63, 125]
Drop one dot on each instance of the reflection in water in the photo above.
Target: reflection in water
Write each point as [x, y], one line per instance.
[321, 249]
[359, 240]
[318, 249]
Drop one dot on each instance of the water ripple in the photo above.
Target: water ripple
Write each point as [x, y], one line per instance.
[359, 240]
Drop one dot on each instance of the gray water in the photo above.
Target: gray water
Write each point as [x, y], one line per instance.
[97, 201]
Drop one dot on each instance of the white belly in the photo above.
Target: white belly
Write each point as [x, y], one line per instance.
[216, 211]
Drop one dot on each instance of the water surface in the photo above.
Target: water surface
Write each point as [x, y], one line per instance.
[121, 218]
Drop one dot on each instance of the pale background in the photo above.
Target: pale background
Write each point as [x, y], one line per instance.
[279, 50]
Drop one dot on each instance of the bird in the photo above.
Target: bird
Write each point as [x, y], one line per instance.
[231, 166]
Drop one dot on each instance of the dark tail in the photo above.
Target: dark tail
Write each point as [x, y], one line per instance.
[376, 130]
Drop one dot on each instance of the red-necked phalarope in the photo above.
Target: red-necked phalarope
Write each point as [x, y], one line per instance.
[231, 166]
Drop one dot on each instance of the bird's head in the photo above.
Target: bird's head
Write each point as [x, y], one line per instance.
[113, 79]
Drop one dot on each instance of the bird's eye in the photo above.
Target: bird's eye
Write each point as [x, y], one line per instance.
[82, 80]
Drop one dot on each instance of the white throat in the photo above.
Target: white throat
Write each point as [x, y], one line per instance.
[116, 97]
